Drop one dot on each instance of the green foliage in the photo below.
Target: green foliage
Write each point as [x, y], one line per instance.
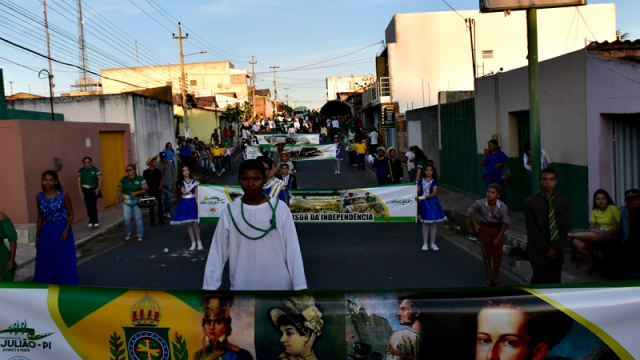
[623, 36]
[117, 351]
[285, 107]
[235, 113]
[335, 108]
[180, 351]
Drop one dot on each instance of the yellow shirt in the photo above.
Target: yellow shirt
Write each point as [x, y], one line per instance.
[217, 152]
[607, 219]
[361, 148]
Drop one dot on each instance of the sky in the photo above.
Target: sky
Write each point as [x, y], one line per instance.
[309, 40]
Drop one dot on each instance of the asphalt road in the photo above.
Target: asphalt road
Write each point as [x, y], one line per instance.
[336, 256]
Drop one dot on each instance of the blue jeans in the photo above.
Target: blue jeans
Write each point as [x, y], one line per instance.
[218, 164]
[137, 212]
[205, 165]
[166, 198]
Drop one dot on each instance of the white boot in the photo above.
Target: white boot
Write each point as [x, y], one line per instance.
[193, 246]
[200, 245]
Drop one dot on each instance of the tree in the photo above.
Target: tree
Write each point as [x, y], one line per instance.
[621, 35]
[335, 108]
[285, 107]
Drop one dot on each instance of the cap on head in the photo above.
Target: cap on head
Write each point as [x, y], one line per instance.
[163, 155]
[632, 194]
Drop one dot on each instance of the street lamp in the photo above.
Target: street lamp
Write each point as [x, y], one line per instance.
[50, 90]
[199, 52]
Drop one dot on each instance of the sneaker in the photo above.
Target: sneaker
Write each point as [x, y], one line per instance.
[335, 172]
[167, 215]
[90, 225]
[199, 245]
[96, 225]
[425, 248]
[434, 247]
[193, 247]
[338, 172]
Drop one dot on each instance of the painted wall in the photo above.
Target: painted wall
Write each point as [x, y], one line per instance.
[422, 130]
[201, 123]
[31, 147]
[434, 48]
[151, 120]
[578, 93]
[613, 87]
[217, 76]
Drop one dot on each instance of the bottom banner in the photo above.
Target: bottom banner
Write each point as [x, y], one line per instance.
[101, 323]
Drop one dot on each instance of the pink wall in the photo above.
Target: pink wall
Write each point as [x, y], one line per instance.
[35, 144]
[12, 186]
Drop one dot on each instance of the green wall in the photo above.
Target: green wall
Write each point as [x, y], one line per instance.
[573, 184]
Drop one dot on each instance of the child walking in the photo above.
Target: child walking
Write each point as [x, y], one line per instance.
[336, 162]
[187, 210]
[429, 207]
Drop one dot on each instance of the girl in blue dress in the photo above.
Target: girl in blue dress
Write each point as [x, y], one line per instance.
[336, 162]
[429, 207]
[187, 210]
[56, 249]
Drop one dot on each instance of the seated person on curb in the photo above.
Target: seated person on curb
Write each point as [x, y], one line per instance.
[604, 224]
[289, 180]
[256, 234]
[630, 227]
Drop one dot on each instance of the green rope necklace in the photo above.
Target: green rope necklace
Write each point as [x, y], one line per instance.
[263, 231]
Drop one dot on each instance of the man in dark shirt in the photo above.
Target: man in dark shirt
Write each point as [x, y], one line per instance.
[546, 215]
[153, 177]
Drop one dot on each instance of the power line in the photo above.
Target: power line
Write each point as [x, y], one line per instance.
[152, 18]
[451, 7]
[585, 22]
[62, 62]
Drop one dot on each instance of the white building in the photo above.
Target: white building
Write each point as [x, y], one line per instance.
[431, 52]
[347, 84]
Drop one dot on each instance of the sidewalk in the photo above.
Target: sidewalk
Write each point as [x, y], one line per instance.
[456, 205]
[109, 219]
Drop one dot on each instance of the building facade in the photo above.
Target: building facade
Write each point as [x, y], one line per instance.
[430, 52]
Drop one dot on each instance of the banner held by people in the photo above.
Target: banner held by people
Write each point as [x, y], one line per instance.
[391, 203]
[300, 152]
[41, 322]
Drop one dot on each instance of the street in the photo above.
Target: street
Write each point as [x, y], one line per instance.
[336, 256]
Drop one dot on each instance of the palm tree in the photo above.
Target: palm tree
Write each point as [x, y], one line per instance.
[621, 36]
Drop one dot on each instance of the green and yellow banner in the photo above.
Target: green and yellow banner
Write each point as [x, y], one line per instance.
[39, 322]
[391, 203]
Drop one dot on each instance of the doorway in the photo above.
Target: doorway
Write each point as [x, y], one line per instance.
[112, 152]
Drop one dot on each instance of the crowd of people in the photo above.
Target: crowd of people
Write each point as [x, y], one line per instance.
[612, 231]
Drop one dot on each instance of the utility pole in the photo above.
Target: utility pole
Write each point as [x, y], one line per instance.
[185, 106]
[253, 88]
[287, 89]
[84, 60]
[11, 86]
[46, 32]
[275, 90]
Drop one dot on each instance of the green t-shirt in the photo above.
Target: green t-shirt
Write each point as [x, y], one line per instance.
[131, 185]
[89, 177]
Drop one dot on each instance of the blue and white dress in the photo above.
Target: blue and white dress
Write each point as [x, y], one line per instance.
[187, 209]
[338, 151]
[430, 209]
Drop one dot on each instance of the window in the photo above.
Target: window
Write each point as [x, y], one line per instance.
[193, 82]
[487, 54]
[169, 83]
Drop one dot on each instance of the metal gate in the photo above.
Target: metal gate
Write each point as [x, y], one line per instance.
[626, 142]
[459, 161]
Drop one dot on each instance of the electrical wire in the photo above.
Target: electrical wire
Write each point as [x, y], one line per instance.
[62, 62]
[451, 7]
[585, 22]
[152, 18]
